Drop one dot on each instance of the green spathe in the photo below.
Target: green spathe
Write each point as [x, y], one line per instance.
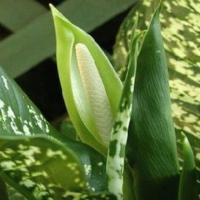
[78, 98]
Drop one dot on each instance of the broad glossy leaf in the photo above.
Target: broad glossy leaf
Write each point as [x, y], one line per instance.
[21, 120]
[152, 141]
[85, 103]
[40, 166]
[18, 115]
[187, 184]
[89, 166]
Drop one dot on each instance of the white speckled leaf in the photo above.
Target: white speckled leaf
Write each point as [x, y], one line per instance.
[119, 135]
[40, 166]
[21, 121]
[18, 115]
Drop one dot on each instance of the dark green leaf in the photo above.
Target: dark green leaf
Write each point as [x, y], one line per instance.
[3, 190]
[65, 127]
[152, 137]
[180, 30]
[21, 121]
[188, 176]
[14, 194]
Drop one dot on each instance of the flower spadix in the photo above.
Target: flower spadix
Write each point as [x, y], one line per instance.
[91, 88]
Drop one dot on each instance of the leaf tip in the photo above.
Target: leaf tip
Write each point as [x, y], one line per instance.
[52, 8]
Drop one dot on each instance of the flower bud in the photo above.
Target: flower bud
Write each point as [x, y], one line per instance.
[90, 86]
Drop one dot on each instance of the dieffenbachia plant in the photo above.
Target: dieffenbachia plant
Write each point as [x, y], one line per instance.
[130, 151]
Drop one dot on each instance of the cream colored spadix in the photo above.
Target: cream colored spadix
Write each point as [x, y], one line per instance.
[91, 88]
[95, 92]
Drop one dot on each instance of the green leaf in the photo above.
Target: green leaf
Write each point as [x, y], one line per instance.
[21, 121]
[40, 167]
[3, 190]
[116, 152]
[179, 32]
[14, 194]
[93, 196]
[85, 75]
[64, 126]
[18, 115]
[188, 177]
[122, 44]
[153, 153]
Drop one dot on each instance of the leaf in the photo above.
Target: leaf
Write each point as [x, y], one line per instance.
[188, 177]
[31, 165]
[3, 190]
[122, 44]
[65, 127]
[18, 115]
[88, 108]
[152, 141]
[94, 196]
[14, 194]
[179, 32]
[21, 121]
[116, 152]
[40, 166]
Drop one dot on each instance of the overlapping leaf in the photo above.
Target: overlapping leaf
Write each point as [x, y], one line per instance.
[40, 167]
[180, 30]
[152, 139]
[34, 155]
